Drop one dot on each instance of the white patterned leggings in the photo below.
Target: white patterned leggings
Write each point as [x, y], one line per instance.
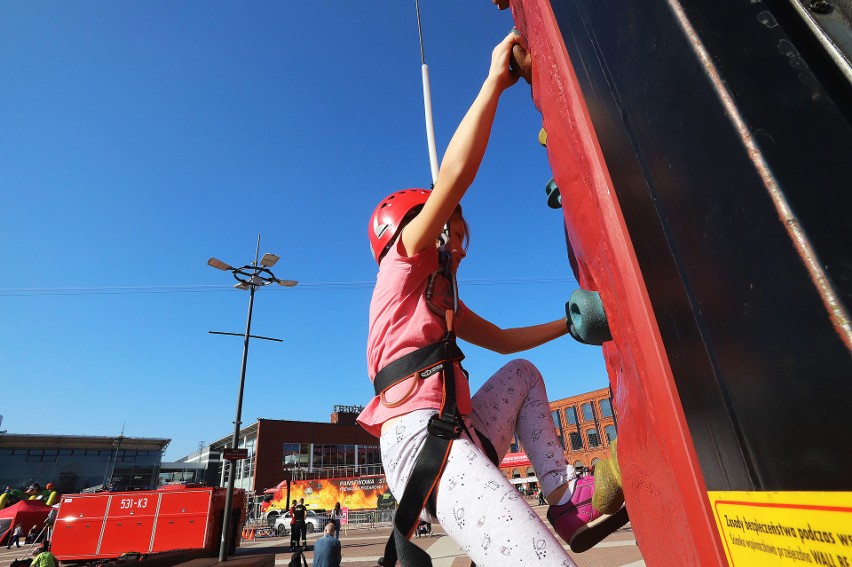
[476, 505]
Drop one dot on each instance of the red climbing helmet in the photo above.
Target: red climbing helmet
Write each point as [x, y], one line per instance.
[389, 215]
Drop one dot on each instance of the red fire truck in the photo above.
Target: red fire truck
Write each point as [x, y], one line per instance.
[174, 517]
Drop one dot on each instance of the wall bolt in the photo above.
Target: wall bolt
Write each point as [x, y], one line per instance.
[819, 6]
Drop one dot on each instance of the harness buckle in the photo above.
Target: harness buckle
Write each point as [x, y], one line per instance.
[445, 429]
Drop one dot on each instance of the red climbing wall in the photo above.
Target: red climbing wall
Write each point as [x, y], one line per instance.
[663, 485]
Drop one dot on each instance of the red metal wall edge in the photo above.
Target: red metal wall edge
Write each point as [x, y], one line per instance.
[664, 488]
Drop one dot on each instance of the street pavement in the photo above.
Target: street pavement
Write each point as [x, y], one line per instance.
[363, 546]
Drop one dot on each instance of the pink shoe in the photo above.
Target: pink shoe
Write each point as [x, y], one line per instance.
[578, 523]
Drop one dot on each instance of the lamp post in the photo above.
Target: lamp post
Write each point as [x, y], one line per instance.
[249, 277]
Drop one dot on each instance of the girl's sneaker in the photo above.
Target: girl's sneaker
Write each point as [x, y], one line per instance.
[577, 521]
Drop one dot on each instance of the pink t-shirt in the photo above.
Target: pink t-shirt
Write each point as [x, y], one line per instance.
[401, 322]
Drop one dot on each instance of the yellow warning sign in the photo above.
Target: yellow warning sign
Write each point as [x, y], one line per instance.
[785, 528]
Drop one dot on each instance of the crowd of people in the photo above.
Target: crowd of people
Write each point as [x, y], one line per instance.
[34, 535]
[37, 532]
[299, 524]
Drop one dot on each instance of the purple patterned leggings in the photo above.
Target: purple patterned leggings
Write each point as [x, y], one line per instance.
[476, 505]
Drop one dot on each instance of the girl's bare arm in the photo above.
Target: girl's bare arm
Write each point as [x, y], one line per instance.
[481, 332]
[464, 154]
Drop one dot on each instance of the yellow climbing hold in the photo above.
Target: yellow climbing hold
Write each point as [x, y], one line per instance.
[608, 496]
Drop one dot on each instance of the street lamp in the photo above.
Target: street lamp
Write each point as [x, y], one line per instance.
[251, 277]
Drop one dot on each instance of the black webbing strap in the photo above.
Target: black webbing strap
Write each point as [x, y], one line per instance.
[443, 429]
[488, 448]
[422, 361]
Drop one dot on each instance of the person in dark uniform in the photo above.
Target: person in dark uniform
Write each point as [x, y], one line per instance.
[294, 533]
[299, 515]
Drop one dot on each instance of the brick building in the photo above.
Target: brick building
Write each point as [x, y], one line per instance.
[586, 425]
[280, 449]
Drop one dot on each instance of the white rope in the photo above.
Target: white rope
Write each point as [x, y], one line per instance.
[427, 103]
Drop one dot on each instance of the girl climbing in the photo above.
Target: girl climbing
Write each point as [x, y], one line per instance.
[440, 446]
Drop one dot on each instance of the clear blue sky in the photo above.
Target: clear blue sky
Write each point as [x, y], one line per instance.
[139, 138]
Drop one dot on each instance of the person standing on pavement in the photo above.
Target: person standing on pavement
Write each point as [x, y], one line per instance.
[299, 513]
[336, 515]
[327, 549]
[16, 536]
[294, 534]
[31, 535]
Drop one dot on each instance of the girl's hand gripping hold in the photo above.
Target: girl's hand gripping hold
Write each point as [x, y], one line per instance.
[500, 69]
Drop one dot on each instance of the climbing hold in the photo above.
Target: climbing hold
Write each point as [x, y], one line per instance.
[554, 197]
[587, 317]
[542, 137]
[608, 497]
[520, 62]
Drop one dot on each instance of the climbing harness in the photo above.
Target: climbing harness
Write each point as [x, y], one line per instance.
[443, 428]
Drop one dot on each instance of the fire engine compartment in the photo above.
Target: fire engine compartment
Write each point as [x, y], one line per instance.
[178, 517]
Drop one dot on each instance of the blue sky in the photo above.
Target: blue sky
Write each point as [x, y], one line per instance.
[140, 138]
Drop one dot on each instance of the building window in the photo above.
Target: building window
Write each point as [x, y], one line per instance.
[609, 431]
[296, 455]
[324, 456]
[594, 440]
[346, 455]
[588, 415]
[558, 424]
[530, 471]
[606, 408]
[571, 415]
[516, 473]
[576, 441]
[369, 455]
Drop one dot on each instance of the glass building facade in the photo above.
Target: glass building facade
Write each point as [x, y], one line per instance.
[75, 463]
[347, 459]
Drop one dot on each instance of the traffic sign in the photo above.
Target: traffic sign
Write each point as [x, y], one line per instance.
[234, 454]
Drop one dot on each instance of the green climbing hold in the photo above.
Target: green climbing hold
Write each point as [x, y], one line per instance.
[588, 319]
[554, 197]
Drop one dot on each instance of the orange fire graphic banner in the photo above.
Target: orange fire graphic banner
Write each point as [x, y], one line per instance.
[357, 493]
